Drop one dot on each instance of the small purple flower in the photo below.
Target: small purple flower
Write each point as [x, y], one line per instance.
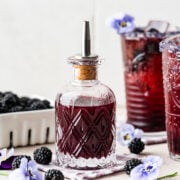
[4, 154]
[6, 158]
[127, 133]
[122, 23]
[148, 170]
[155, 160]
[27, 171]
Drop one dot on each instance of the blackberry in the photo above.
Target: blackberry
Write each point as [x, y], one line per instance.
[42, 155]
[16, 109]
[17, 161]
[152, 47]
[32, 100]
[27, 109]
[46, 103]
[10, 100]
[38, 105]
[3, 107]
[24, 101]
[54, 174]
[130, 164]
[1, 95]
[136, 146]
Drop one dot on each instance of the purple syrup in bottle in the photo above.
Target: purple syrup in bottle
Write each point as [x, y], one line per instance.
[86, 131]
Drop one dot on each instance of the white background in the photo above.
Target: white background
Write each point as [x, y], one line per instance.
[37, 36]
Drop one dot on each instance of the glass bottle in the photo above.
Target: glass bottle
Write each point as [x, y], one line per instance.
[85, 115]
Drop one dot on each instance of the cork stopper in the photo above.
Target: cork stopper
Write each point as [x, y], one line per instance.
[83, 72]
[85, 64]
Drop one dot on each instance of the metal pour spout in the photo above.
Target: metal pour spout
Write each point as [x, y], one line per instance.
[86, 40]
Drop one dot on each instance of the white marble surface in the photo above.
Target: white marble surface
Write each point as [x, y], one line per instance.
[169, 166]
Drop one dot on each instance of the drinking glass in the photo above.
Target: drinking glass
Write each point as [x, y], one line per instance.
[170, 48]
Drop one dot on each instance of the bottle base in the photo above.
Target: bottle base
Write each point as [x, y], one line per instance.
[175, 157]
[69, 161]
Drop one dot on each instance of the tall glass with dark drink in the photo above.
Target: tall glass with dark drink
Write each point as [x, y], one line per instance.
[171, 75]
[143, 76]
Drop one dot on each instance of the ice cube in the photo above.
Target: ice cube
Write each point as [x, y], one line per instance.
[178, 55]
[157, 26]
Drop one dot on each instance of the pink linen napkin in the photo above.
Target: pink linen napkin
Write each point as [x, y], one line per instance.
[74, 174]
[154, 138]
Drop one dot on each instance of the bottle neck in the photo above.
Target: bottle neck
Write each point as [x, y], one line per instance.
[85, 74]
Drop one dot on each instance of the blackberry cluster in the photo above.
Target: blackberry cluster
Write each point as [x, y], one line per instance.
[136, 146]
[10, 102]
[54, 174]
[130, 164]
[42, 155]
[17, 161]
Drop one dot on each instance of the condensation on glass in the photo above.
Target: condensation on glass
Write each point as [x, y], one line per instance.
[170, 48]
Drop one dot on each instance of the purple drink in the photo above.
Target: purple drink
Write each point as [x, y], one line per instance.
[171, 75]
[87, 132]
[143, 80]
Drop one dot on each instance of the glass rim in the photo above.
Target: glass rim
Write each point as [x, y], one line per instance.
[91, 60]
[171, 43]
[137, 35]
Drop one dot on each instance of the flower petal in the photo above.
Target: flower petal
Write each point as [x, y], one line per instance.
[125, 134]
[128, 127]
[3, 154]
[33, 165]
[138, 133]
[34, 170]
[128, 18]
[10, 153]
[38, 175]
[121, 22]
[23, 166]
[17, 175]
[7, 164]
[136, 173]
[154, 160]
[141, 172]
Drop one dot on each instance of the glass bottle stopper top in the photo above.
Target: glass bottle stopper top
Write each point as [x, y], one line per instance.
[85, 63]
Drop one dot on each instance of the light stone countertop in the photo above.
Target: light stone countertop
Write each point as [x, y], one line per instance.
[169, 166]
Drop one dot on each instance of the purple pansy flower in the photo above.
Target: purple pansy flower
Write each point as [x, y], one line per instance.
[127, 133]
[4, 154]
[6, 158]
[148, 170]
[27, 171]
[122, 23]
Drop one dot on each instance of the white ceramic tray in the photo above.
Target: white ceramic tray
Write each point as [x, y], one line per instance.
[27, 128]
